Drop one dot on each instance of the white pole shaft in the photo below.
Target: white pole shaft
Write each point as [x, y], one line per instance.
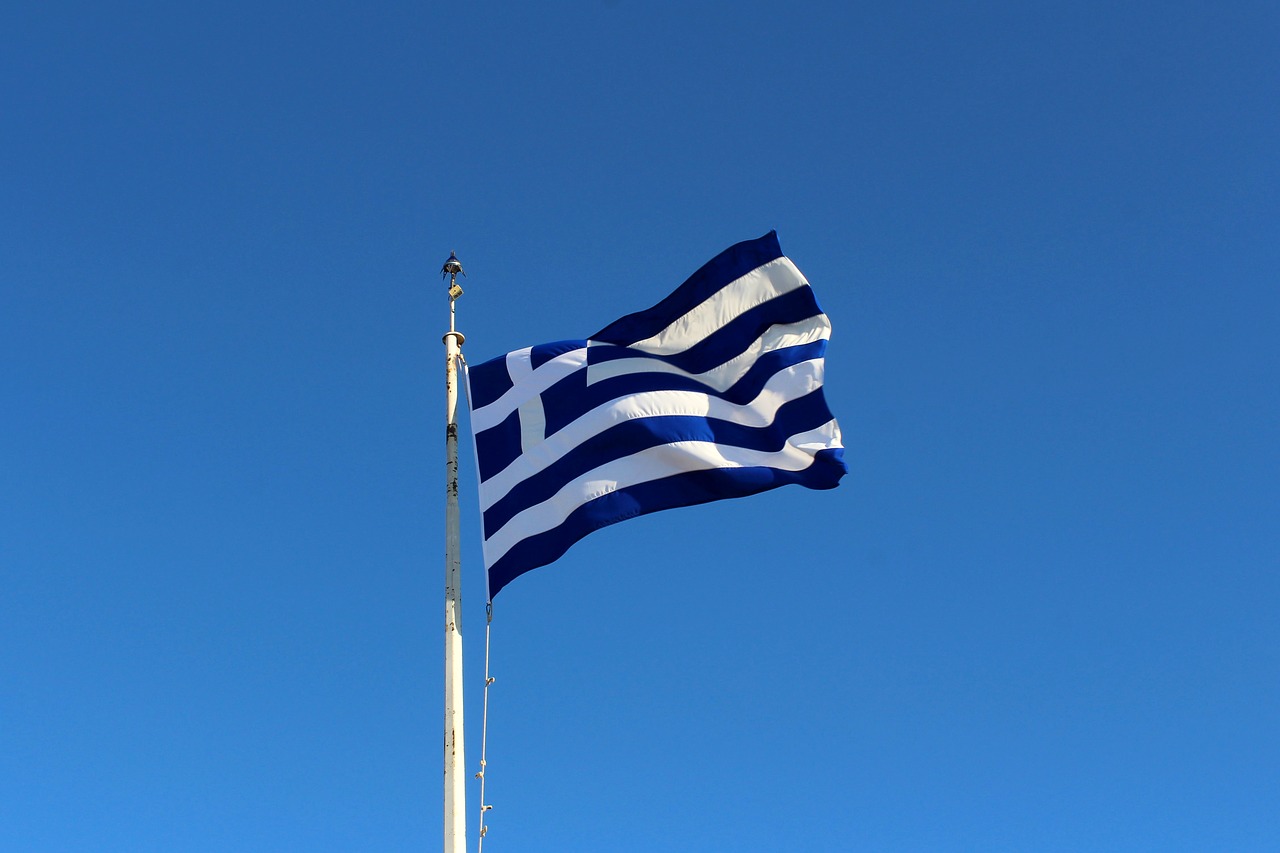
[455, 791]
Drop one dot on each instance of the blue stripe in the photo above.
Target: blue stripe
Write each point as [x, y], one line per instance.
[569, 399]
[630, 437]
[687, 489]
[728, 266]
[733, 338]
[543, 353]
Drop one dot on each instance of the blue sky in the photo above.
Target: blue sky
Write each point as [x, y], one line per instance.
[1039, 614]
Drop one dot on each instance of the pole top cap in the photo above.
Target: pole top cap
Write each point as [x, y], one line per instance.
[452, 267]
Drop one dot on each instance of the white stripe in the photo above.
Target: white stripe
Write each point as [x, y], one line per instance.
[726, 304]
[789, 384]
[723, 377]
[651, 464]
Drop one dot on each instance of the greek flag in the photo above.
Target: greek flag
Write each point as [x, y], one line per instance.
[715, 392]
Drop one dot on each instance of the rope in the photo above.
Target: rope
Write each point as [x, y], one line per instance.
[484, 726]
[488, 623]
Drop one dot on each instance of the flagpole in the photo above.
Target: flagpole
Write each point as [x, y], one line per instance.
[455, 792]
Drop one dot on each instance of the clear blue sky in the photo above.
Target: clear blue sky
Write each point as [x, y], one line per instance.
[1039, 614]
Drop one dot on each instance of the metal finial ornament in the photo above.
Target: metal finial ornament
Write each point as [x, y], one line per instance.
[453, 266]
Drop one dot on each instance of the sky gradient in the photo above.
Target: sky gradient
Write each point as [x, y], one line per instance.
[1038, 614]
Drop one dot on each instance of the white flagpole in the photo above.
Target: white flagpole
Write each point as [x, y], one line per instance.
[455, 791]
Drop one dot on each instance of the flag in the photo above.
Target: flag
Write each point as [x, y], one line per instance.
[715, 392]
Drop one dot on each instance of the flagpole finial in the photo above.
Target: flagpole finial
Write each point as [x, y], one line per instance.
[452, 268]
